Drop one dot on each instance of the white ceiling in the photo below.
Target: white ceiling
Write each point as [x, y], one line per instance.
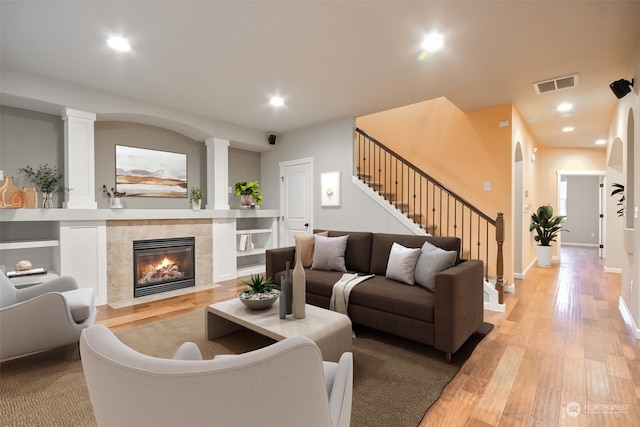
[333, 59]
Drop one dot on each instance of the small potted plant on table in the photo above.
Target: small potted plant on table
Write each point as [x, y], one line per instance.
[259, 294]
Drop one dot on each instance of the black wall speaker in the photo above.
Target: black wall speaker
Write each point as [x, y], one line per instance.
[621, 87]
[272, 139]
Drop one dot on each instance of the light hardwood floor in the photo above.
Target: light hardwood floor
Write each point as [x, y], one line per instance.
[562, 340]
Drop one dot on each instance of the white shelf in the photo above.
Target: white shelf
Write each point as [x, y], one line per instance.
[257, 251]
[247, 270]
[255, 231]
[29, 244]
[21, 282]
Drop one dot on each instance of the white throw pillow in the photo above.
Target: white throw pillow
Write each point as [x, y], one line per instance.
[432, 261]
[402, 263]
[328, 253]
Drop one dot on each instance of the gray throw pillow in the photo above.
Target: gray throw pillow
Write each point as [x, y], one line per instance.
[328, 253]
[402, 263]
[432, 260]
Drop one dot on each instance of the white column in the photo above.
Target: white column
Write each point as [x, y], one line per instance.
[217, 173]
[79, 165]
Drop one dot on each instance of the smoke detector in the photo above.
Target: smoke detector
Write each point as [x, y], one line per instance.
[556, 84]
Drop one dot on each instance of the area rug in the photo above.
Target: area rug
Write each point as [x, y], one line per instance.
[395, 380]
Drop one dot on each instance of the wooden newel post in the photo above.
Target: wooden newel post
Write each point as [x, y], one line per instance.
[500, 257]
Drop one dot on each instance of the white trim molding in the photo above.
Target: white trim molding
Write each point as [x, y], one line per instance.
[628, 318]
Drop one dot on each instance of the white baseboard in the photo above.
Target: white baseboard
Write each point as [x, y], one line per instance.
[586, 245]
[613, 270]
[628, 318]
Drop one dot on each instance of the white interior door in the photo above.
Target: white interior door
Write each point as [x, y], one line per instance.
[296, 199]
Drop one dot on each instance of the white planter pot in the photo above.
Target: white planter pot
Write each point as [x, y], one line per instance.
[195, 205]
[544, 254]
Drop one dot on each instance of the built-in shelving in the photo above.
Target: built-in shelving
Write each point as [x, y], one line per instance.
[36, 242]
[262, 232]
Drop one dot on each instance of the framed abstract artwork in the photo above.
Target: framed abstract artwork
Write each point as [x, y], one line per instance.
[150, 173]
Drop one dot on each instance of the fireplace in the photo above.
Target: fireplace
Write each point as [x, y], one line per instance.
[161, 265]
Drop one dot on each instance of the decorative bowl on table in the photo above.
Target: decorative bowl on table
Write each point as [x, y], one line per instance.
[259, 301]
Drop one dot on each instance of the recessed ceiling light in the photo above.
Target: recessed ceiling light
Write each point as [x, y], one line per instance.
[119, 43]
[601, 142]
[568, 129]
[276, 101]
[432, 42]
[565, 106]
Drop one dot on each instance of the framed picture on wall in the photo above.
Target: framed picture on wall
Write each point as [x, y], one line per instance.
[150, 173]
[330, 188]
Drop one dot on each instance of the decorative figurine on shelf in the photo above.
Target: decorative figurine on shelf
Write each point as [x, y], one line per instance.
[115, 196]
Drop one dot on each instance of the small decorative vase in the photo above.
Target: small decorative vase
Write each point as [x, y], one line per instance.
[195, 205]
[299, 287]
[282, 309]
[287, 288]
[116, 203]
[245, 201]
[7, 190]
[47, 200]
[30, 198]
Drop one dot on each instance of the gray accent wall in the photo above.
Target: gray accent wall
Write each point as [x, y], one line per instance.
[331, 147]
[583, 210]
[110, 134]
[30, 138]
[243, 166]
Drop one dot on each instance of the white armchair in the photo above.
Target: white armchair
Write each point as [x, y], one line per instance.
[43, 316]
[284, 384]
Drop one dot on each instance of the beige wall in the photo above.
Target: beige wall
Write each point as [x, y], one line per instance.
[551, 160]
[463, 151]
[522, 136]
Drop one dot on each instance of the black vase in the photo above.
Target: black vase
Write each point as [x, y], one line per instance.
[286, 286]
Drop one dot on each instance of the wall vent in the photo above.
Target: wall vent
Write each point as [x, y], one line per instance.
[557, 83]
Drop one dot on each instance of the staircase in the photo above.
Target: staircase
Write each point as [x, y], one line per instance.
[431, 206]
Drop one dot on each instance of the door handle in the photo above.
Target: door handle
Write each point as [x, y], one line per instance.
[306, 224]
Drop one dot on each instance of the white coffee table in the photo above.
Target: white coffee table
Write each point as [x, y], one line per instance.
[331, 331]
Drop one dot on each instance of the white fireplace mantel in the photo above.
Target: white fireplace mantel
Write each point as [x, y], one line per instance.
[77, 241]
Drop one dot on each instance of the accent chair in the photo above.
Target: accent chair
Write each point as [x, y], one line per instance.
[43, 316]
[284, 384]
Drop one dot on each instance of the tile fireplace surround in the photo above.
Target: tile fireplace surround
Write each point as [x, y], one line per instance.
[96, 245]
[120, 238]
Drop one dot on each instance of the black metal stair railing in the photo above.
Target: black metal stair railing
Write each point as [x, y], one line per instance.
[432, 206]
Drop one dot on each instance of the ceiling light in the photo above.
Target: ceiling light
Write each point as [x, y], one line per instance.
[568, 129]
[432, 42]
[601, 142]
[119, 43]
[565, 106]
[276, 101]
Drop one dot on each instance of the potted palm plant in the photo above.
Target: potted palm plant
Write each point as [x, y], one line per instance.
[247, 191]
[259, 294]
[547, 228]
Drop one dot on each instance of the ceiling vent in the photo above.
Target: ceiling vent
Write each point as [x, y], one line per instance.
[558, 83]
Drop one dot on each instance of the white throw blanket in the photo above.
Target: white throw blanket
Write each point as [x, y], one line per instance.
[342, 289]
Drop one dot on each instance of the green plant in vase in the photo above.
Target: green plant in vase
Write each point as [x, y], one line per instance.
[195, 197]
[247, 190]
[547, 228]
[46, 179]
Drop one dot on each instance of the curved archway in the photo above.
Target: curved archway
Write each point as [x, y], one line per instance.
[630, 174]
[613, 246]
[518, 210]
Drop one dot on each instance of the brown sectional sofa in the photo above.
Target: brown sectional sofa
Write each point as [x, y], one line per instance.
[443, 319]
